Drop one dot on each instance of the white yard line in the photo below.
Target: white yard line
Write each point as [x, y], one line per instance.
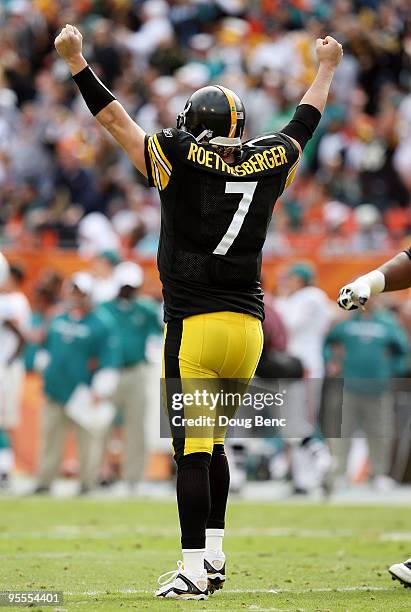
[106, 557]
[71, 533]
[396, 536]
[361, 588]
[60, 532]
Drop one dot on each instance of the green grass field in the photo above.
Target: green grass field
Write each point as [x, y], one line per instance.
[107, 555]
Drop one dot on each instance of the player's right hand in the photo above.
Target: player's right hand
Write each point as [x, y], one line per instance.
[354, 295]
[329, 51]
[69, 43]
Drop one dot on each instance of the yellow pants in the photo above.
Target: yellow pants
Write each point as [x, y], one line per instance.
[217, 345]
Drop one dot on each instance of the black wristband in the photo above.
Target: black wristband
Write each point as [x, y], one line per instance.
[303, 124]
[95, 94]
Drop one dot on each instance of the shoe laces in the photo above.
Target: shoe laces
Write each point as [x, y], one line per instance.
[170, 576]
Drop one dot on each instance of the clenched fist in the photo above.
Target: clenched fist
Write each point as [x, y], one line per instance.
[354, 295]
[69, 45]
[357, 293]
[329, 51]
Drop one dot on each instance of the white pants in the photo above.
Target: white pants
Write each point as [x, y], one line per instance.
[130, 399]
[55, 425]
[374, 416]
[11, 391]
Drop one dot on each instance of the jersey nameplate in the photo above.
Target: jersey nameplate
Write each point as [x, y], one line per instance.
[266, 160]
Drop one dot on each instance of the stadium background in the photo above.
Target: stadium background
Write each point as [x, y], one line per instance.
[67, 192]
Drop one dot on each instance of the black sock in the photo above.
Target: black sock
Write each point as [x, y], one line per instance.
[219, 485]
[193, 498]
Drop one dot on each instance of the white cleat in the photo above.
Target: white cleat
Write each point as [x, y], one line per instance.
[214, 563]
[179, 584]
[402, 572]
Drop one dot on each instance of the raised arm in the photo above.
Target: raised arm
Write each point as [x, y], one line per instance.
[329, 54]
[308, 114]
[393, 275]
[101, 102]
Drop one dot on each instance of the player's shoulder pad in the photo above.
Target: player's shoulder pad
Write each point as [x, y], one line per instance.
[170, 138]
[267, 141]
[276, 145]
[163, 151]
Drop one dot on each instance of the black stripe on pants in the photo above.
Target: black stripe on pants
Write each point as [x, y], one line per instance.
[193, 485]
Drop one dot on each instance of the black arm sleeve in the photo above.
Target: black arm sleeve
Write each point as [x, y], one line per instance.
[95, 94]
[303, 124]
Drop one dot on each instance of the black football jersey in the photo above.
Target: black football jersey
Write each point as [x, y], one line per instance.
[214, 219]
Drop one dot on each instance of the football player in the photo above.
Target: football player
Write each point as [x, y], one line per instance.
[217, 195]
[393, 275]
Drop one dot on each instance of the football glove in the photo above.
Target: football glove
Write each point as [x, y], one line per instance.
[358, 292]
[354, 295]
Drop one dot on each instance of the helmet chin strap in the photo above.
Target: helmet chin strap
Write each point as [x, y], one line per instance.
[218, 140]
[225, 142]
[204, 133]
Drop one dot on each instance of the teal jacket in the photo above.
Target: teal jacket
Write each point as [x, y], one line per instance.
[374, 350]
[134, 320]
[77, 349]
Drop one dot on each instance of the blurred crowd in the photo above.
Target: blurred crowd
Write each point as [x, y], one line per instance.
[95, 341]
[64, 182]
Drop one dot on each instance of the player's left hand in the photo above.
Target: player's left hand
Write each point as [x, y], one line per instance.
[353, 296]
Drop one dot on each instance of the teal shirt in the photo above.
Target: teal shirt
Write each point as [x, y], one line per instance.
[38, 320]
[375, 350]
[135, 320]
[78, 348]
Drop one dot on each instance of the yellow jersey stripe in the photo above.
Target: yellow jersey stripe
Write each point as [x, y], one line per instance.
[233, 110]
[162, 171]
[291, 173]
[159, 161]
[155, 173]
[160, 150]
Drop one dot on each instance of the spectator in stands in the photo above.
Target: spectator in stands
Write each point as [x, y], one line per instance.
[275, 362]
[367, 350]
[46, 305]
[104, 285]
[135, 319]
[82, 350]
[306, 312]
[155, 55]
[95, 235]
[15, 317]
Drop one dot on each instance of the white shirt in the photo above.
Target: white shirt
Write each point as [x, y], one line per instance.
[104, 289]
[307, 315]
[16, 308]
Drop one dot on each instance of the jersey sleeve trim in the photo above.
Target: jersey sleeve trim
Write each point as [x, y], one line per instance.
[149, 164]
[159, 168]
[293, 170]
